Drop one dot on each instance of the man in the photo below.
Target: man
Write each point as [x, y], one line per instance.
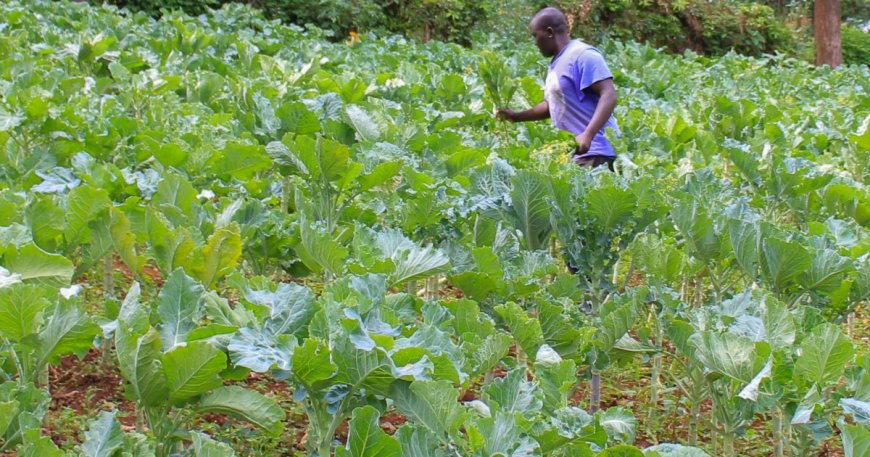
[579, 96]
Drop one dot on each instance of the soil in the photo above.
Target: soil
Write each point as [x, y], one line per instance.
[86, 387]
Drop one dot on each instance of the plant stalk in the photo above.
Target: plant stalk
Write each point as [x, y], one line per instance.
[595, 387]
[654, 377]
[728, 444]
[694, 419]
[778, 435]
[108, 292]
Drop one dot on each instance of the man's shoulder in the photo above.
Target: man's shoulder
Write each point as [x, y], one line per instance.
[581, 52]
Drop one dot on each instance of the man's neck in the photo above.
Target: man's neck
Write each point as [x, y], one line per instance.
[562, 42]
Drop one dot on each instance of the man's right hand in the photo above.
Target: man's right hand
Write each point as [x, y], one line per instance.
[506, 114]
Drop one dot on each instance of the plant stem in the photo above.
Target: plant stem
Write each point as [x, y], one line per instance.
[778, 435]
[595, 387]
[654, 377]
[694, 418]
[325, 449]
[22, 374]
[285, 194]
[108, 292]
[850, 325]
[728, 444]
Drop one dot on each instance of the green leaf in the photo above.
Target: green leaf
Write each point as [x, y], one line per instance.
[204, 446]
[673, 450]
[35, 445]
[260, 351]
[68, 330]
[433, 404]
[610, 206]
[9, 121]
[312, 363]
[727, 354]
[83, 205]
[557, 381]
[622, 450]
[503, 437]
[283, 156]
[133, 315]
[418, 441]
[827, 271]
[361, 121]
[177, 192]
[460, 162]
[615, 324]
[298, 119]
[244, 404]
[327, 159]
[8, 413]
[192, 370]
[824, 355]
[745, 240]
[219, 255]
[37, 266]
[241, 161]
[366, 439]
[856, 440]
[290, 307]
[381, 174]
[104, 436]
[696, 226]
[363, 368]
[784, 261]
[860, 410]
[318, 250]
[530, 201]
[124, 240]
[171, 155]
[619, 423]
[140, 361]
[171, 247]
[513, 394]
[779, 326]
[474, 284]
[178, 307]
[560, 331]
[490, 352]
[526, 330]
[417, 263]
[21, 307]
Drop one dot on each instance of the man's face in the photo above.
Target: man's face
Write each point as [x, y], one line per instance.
[544, 39]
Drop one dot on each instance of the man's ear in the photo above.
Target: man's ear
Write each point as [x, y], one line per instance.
[550, 31]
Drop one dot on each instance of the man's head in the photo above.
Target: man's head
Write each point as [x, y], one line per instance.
[550, 30]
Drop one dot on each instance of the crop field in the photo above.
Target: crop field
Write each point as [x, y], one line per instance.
[220, 235]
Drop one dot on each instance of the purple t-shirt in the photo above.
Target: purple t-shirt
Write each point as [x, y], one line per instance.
[572, 103]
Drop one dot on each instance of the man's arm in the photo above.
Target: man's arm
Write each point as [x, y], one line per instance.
[535, 113]
[606, 103]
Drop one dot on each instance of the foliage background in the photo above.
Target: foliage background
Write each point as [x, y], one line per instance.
[706, 27]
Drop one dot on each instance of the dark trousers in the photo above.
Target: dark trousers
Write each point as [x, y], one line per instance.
[594, 161]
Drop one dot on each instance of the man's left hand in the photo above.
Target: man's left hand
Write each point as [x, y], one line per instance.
[584, 142]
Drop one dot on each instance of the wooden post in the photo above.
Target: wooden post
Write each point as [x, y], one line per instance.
[826, 24]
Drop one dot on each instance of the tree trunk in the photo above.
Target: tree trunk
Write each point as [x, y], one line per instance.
[826, 23]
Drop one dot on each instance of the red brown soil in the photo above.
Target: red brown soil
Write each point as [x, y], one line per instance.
[86, 386]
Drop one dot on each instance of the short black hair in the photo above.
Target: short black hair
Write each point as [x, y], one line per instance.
[550, 17]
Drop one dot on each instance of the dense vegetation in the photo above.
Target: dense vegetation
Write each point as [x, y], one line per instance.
[211, 203]
[750, 27]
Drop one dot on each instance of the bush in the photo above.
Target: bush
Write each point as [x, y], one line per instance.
[856, 45]
[705, 26]
[337, 18]
[448, 20]
[152, 7]
[747, 28]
